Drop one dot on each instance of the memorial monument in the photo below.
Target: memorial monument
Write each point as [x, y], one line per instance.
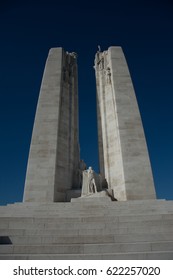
[69, 211]
[53, 165]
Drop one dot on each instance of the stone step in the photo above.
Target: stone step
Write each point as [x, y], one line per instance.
[52, 238]
[85, 207]
[87, 230]
[90, 202]
[112, 219]
[71, 213]
[167, 231]
[85, 204]
[87, 248]
[121, 256]
[89, 220]
[110, 205]
[99, 231]
[160, 226]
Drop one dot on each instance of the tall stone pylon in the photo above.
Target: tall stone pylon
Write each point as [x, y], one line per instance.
[123, 154]
[54, 151]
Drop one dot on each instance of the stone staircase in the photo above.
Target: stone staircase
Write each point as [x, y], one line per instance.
[87, 229]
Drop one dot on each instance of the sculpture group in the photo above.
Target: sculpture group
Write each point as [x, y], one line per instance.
[55, 171]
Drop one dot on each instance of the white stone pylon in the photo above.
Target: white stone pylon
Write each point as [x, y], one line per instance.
[123, 154]
[54, 151]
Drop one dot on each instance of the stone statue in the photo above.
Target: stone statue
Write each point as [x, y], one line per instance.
[73, 54]
[94, 185]
[89, 183]
[108, 75]
[101, 62]
[99, 48]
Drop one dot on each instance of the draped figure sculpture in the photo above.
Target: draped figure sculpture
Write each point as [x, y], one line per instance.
[89, 183]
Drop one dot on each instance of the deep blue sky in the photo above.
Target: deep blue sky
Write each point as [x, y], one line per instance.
[28, 29]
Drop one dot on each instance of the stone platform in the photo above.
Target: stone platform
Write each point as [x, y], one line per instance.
[87, 229]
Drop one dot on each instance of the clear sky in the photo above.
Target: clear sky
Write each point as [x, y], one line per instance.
[28, 29]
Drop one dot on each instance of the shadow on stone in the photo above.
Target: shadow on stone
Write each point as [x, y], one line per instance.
[5, 240]
[110, 194]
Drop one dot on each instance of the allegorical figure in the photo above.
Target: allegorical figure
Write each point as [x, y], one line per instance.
[89, 184]
[91, 181]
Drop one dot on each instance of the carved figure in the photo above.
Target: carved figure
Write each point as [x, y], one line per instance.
[101, 63]
[91, 181]
[108, 75]
[88, 184]
[73, 54]
[99, 48]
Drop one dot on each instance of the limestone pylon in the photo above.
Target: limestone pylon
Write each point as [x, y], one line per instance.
[123, 154]
[54, 151]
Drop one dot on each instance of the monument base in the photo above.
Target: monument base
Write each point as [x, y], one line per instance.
[89, 229]
[101, 196]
